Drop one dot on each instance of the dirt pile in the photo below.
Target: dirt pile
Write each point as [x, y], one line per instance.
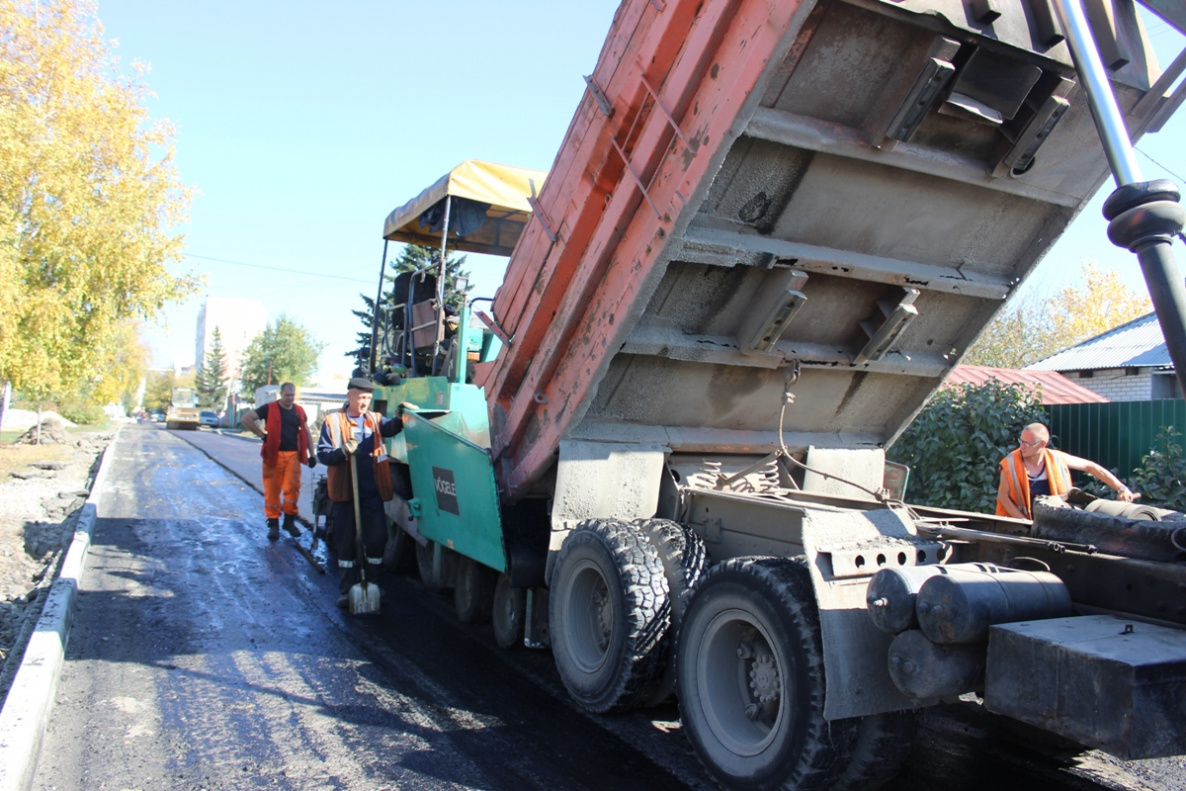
[40, 499]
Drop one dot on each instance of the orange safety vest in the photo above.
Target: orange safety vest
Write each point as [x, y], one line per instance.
[271, 449]
[1057, 474]
[341, 489]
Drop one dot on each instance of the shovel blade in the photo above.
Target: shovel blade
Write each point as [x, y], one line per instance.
[364, 599]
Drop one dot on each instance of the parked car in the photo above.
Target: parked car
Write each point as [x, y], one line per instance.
[158, 417]
[208, 418]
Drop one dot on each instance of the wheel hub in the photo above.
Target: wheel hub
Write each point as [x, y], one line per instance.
[764, 682]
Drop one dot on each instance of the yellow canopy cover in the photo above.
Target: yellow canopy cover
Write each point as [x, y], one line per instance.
[505, 188]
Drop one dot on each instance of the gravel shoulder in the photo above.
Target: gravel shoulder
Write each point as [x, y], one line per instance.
[42, 488]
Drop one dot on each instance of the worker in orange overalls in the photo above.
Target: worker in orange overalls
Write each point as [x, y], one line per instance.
[1034, 469]
[287, 445]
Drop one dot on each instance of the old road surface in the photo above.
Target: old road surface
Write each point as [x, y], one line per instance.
[204, 656]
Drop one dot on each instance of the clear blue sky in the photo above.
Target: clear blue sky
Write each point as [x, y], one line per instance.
[303, 124]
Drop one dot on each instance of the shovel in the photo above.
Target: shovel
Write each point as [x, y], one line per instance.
[364, 598]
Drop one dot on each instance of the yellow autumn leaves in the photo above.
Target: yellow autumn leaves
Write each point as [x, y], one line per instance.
[89, 196]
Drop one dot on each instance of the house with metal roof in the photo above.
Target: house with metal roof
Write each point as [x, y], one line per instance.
[1128, 363]
[1051, 387]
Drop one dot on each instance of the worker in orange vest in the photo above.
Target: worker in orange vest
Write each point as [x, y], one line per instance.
[356, 431]
[1034, 469]
[287, 445]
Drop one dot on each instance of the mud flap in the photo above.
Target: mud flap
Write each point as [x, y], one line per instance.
[844, 549]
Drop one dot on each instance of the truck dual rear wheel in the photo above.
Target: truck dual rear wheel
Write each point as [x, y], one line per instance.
[608, 611]
[750, 673]
[684, 560]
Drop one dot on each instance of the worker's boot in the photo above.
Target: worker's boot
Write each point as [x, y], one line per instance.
[290, 525]
[273, 529]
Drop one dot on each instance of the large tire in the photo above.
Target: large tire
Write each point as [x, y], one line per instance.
[509, 613]
[424, 554]
[608, 612]
[473, 591]
[399, 554]
[750, 672]
[684, 560]
[884, 741]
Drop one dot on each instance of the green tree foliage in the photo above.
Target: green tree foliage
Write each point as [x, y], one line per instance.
[88, 193]
[1161, 478]
[211, 382]
[413, 258]
[955, 445]
[284, 352]
[1026, 333]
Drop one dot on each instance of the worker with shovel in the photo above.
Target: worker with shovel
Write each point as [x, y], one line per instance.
[359, 481]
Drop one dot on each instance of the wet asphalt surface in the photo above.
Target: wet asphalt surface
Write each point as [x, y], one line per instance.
[204, 656]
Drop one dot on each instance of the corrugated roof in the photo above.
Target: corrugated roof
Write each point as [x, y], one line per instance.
[1137, 343]
[1055, 388]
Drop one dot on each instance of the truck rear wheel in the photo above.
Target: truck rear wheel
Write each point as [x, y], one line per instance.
[751, 679]
[609, 609]
[509, 613]
[473, 591]
[684, 560]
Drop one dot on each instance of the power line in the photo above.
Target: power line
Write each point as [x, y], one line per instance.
[277, 269]
[1155, 162]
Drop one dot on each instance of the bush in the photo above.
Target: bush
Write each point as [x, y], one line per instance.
[82, 413]
[1161, 478]
[955, 445]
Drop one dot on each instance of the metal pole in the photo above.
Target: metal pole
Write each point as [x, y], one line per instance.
[436, 347]
[1143, 217]
[1112, 130]
[375, 313]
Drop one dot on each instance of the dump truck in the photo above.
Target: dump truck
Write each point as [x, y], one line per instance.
[183, 409]
[771, 231]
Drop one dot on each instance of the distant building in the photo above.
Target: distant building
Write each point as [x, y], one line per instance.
[1128, 363]
[238, 322]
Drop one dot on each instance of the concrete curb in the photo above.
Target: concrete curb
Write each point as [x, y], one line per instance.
[30, 698]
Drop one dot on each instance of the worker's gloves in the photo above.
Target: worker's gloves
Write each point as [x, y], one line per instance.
[350, 446]
[312, 462]
[409, 406]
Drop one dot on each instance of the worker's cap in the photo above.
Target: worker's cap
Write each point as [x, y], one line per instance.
[361, 383]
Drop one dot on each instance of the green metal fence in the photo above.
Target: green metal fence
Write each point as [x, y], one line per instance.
[1116, 435]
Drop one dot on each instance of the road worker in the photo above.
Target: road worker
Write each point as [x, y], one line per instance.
[1034, 469]
[352, 432]
[288, 444]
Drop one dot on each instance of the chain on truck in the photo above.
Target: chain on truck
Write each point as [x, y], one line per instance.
[769, 234]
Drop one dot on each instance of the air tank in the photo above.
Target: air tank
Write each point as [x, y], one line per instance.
[891, 593]
[923, 670]
[962, 601]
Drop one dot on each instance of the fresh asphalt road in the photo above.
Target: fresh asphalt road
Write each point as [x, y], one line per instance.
[205, 657]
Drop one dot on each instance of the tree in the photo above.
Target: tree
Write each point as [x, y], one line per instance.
[284, 352]
[413, 258]
[158, 388]
[955, 445]
[88, 195]
[1027, 333]
[127, 358]
[211, 382]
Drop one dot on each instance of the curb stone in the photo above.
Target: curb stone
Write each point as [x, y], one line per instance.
[25, 714]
